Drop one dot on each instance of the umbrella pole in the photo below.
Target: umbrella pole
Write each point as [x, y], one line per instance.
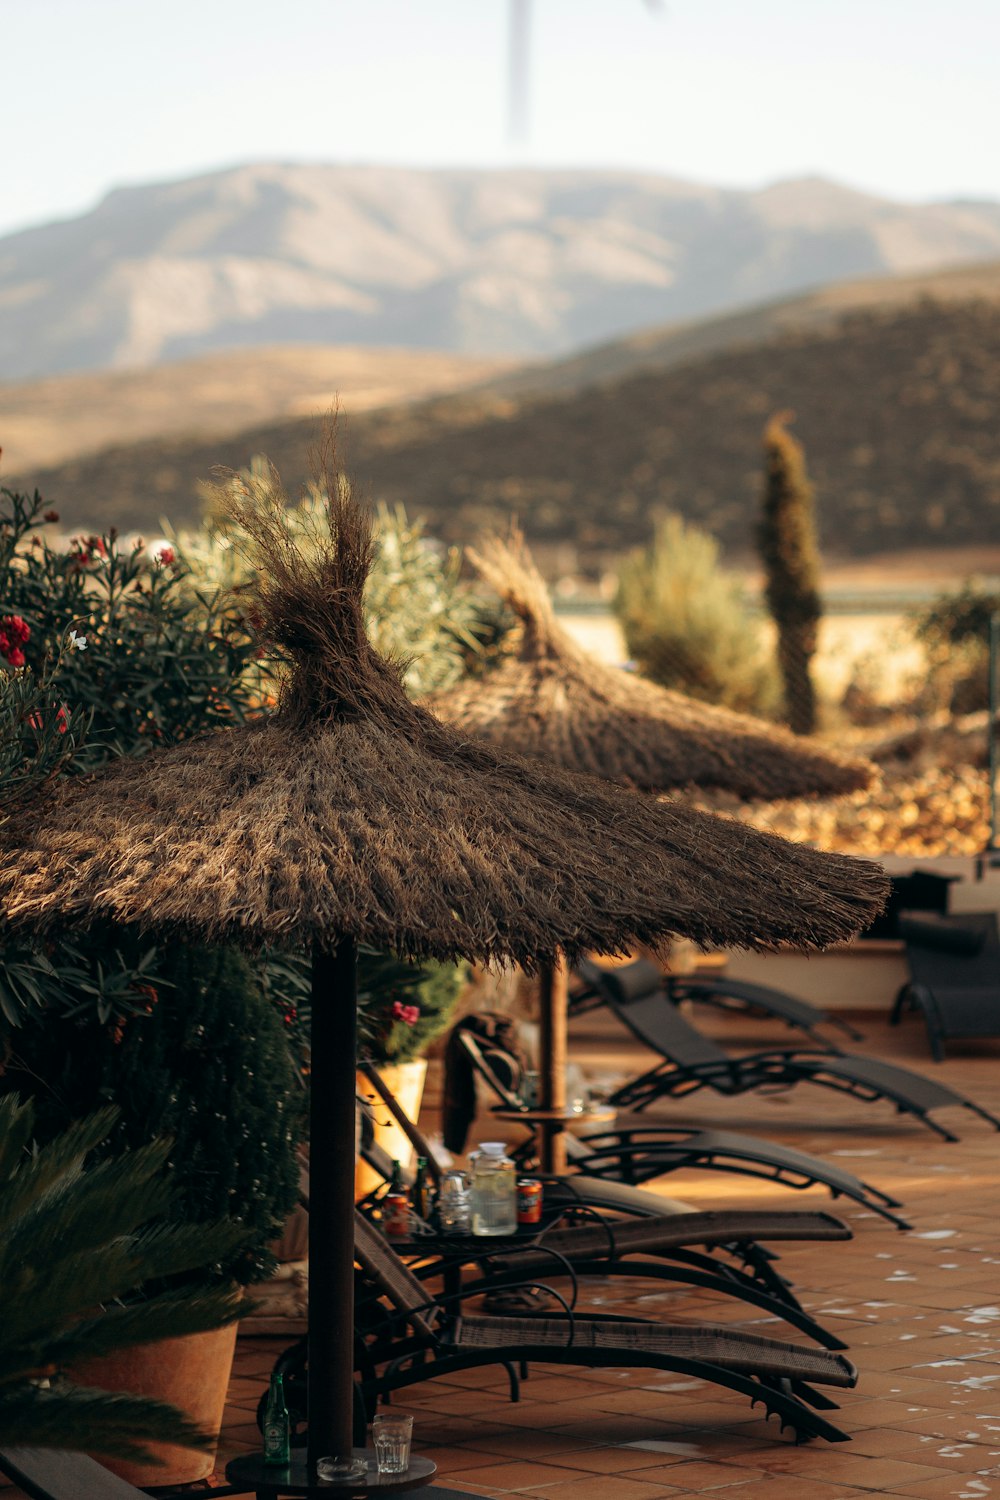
[333, 1042]
[553, 981]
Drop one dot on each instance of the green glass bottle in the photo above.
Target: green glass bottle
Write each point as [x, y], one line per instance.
[277, 1427]
[422, 1196]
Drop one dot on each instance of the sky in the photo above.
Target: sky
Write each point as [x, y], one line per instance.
[897, 97]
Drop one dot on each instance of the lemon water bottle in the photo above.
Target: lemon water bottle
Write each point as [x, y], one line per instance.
[494, 1190]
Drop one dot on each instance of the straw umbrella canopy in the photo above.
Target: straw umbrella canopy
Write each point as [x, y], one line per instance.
[554, 700]
[353, 814]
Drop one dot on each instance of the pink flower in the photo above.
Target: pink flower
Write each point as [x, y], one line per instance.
[410, 1014]
[164, 556]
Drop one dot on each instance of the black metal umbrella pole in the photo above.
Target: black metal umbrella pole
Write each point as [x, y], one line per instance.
[333, 1041]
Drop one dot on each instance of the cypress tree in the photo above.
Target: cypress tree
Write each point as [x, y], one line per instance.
[788, 550]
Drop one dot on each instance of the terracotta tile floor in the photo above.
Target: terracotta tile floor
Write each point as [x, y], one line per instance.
[919, 1310]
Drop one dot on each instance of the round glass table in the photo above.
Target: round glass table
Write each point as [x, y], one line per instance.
[270, 1480]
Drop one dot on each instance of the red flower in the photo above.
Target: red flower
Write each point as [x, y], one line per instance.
[165, 557]
[51, 515]
[14, 633]
[410, 1014]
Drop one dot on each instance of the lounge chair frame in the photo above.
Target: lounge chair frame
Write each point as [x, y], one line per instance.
[779, 1375]
[676, 1247]
[691, 1061]
[957, 993]
[716, 989]
[634, 1156]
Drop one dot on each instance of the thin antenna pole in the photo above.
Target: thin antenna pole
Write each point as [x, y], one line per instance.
[518, 59]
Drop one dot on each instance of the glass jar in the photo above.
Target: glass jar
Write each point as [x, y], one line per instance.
[494, 1190]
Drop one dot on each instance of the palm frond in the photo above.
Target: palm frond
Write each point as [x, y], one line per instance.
[97, 1421]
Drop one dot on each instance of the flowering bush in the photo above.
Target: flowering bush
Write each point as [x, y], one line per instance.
[106, 652]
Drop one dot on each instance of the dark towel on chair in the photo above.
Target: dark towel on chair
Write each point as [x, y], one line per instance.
[497, 1034]
[945, 937]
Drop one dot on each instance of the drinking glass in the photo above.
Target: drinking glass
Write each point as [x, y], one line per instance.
[391, 1436]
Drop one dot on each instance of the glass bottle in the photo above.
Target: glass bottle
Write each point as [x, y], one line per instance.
[277, 1426]
[494, 1190]
[396, 1206]
[422, 1196]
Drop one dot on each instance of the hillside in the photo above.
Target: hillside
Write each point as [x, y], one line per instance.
[898, 409]
[54, 420]
[516, 262]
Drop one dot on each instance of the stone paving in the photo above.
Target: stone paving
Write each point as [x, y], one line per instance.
[920, 1311]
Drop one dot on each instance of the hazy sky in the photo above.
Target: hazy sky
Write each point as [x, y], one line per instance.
[897, 96]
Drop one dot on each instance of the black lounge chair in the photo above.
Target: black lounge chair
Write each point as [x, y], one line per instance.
[597, 1245]
[58, 1474]
[622, 1160]
[954, 964]
[718, 990]
[408, 1338]
[661, 1250]
[692, 1061]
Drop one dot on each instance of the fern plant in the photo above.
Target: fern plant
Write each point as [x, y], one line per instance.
[79, 1247]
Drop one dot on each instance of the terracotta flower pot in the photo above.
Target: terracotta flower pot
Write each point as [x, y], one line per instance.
[191, 1373]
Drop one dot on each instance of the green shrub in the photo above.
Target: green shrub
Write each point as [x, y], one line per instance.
[687, 624]
[418, 611]
[206, 1062]
[954, 630]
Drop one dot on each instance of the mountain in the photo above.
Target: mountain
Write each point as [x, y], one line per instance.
[526, 263]
[896, 404]
[45, 422]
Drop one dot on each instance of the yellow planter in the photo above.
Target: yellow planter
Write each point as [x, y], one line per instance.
[406, 1080]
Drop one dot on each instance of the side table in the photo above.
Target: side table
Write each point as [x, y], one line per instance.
[550, 1124]
[268, 1481]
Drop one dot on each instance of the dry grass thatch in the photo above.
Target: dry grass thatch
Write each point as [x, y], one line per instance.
[354, 811]
[553, 700]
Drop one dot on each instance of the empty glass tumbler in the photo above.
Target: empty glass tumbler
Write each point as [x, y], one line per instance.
[392, 1436]
[454, 1213]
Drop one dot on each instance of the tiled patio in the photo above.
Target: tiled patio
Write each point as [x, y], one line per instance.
[920, 1312]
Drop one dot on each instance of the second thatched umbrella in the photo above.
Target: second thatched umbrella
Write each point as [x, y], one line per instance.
[354, 814]
[551, 699]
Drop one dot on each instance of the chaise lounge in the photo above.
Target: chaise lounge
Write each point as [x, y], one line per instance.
[409, 1337]
[692, 1061]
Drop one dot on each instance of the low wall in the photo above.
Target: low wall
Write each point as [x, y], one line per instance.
[864, 976]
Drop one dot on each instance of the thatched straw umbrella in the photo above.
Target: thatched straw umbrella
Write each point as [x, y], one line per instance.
[354, 814]
[551, 699]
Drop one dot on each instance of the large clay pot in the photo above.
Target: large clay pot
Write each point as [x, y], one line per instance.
[406, 1080]
[191, 1373]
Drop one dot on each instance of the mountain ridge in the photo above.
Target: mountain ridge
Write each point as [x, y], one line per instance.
[508, 262]
[896, 406]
